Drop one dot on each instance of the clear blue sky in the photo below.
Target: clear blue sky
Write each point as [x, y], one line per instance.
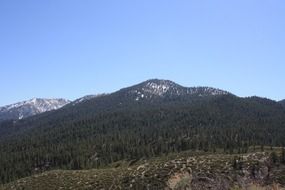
[68, 48]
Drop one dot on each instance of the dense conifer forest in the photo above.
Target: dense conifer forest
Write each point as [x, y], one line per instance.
[114, 127]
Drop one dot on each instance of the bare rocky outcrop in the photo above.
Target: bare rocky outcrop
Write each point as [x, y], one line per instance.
[180, 180]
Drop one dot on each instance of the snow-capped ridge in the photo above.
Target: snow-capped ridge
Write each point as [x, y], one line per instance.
[154, 88]
[30, 107]
[160, 88]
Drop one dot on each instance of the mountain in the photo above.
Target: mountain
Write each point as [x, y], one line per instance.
[150, 119]
[29, 108]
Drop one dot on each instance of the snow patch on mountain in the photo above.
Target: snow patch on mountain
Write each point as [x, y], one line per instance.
[156, 88]
[160, 88]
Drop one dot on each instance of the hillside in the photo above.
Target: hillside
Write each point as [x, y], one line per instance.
[153, 118]
[186, 170]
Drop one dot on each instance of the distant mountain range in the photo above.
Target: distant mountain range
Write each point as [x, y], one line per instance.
[31, 107]
[144, 91]
[153, 118]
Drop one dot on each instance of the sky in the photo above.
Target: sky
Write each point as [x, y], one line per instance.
[71, 48]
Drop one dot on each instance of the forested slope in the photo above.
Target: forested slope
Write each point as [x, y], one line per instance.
[118, 126]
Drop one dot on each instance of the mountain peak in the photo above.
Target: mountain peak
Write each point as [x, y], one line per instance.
[160, 81]
[161, 88]
[30, 107]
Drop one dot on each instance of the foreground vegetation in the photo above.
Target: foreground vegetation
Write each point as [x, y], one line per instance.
[186, 170]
